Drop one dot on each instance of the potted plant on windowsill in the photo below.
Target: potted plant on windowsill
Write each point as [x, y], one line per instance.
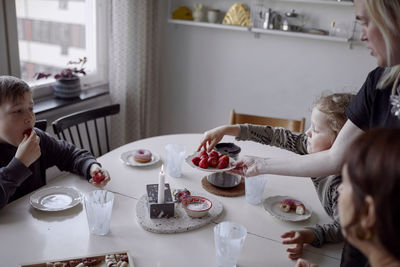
[68, 84]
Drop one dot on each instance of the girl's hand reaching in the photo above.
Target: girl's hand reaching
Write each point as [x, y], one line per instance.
[213, 136]
[28, 150]
[249, 166]
[304, 263]
[100, 176]
[297, 238]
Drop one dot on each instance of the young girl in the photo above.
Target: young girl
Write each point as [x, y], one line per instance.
[327, 118]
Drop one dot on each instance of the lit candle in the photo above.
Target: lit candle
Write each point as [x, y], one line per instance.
[161, 186]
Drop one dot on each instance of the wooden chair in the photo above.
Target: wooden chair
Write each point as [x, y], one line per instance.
[87, 118]
[292, 125]
[41, 124]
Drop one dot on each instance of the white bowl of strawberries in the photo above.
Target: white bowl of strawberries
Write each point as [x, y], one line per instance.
[210, 162]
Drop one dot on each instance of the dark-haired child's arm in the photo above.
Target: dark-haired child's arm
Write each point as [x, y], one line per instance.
[17, 170]
[66, 156]
[274, 136]
[11, 177]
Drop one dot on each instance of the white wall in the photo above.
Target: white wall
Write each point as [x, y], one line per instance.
[207, 72]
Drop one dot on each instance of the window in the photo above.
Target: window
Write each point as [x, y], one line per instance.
[43, 35]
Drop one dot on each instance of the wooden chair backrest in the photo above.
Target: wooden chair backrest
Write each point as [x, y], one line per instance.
[292, 125]
[41, 124]
[65, 125]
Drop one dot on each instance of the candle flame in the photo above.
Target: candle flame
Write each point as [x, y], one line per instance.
[162, 169]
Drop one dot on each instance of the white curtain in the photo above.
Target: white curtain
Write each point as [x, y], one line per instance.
[133, 58]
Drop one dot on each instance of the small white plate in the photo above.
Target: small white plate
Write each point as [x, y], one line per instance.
[272, 205]
[232, 164]
[127, 158]
[55, 198]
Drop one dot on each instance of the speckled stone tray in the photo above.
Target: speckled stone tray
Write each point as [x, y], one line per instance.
[181, 222]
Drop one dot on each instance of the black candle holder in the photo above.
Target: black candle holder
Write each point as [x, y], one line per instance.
[156, 210]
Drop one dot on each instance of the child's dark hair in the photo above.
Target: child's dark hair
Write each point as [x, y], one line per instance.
[12, 88]
[373, 166]
[334, 106]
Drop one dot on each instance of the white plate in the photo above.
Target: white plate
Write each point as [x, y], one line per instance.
[272, 204]
[55, 198]
[127, 158]
[232, 164]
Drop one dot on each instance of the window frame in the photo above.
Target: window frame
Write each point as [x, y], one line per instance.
[10, 52]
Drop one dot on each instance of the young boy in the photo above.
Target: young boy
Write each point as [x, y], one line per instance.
[27, 153]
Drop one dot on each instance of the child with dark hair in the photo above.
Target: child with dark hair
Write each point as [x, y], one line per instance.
[27, 152]
[369, 197]
[327, 118]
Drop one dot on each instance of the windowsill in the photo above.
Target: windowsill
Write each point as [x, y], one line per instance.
[52, 103]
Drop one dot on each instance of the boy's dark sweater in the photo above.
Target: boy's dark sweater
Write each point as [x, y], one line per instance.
[17, 180]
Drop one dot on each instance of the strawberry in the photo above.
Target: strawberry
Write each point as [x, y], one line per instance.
[224, 157]
[222, 164]
[203, 163]
[202, 153]
[212, 162]
[204, 157]
[213, 154]
[98, 176]
[196, 160]
[27, 132]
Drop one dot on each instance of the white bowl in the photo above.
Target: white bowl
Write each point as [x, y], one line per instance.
[196, 206]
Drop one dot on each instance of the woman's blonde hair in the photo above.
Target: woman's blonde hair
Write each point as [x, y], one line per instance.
[386, 14]
[334, 106]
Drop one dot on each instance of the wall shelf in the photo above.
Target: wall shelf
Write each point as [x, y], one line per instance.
[260, 31]
[301, 35]
[322, 2]
[209, 25]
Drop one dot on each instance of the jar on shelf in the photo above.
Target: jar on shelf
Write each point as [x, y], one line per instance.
[292, 21]
[198, 12]
[213, 15]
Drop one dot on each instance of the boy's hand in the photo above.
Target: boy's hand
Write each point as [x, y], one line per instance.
[28, 150]
[297, 238]
[100, 177]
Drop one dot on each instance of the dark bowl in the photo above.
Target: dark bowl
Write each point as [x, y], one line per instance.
[224, 179]
[229, 149]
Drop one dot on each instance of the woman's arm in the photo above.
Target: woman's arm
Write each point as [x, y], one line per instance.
[311, 165]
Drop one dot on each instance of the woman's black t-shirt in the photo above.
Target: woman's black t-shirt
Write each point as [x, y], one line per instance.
[371, 107]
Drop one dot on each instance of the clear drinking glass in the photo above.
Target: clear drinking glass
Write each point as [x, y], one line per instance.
[98, 205]
[254, 187]
[175, 154]
[229, 238]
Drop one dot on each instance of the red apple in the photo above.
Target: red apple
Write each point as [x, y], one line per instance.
[212, 162]
[203, 163]
[196, 160]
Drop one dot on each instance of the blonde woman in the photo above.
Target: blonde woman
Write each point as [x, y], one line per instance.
[375, 106]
